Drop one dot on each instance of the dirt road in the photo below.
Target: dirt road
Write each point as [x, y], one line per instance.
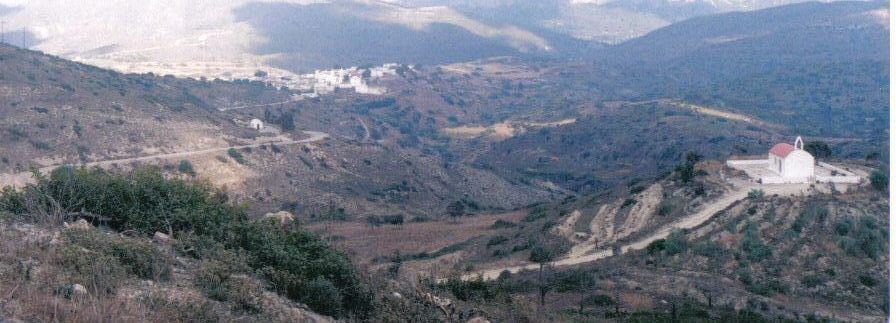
[20, 179]
[580, 254]
[257, 105]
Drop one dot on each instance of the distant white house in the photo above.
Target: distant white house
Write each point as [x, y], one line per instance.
[791, 162]
[256, 124]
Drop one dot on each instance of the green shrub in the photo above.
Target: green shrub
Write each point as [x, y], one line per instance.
[536, 213]
[710, 249]
[880, 181]
[12, 201]
[496, 240]
[499, 224]
[768, 288]
[867, 238]
[867, 280]
[665, 208]
[186, 167]
[289, 257]
[236, 155]
[676, 243]
[843, 226]
[756, 194]
[656, 246]
[602, 300]
[752, 246]
[814, 212]
[97, 271]
[220, 281]
[818, 149]
[321, 294]
[138, 257]
[143, 201]
[467, 290]
[811, 280]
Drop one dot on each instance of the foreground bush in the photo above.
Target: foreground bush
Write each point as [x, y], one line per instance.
[295, 262]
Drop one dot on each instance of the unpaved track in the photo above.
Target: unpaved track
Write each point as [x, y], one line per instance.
[19, 179]
[256, 105]
[579, 253]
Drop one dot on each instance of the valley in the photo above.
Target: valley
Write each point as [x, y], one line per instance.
[543, 165]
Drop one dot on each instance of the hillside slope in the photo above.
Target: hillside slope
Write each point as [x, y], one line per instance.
[55, 111]
[820, 68]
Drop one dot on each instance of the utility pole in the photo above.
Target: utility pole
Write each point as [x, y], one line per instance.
[2, 31]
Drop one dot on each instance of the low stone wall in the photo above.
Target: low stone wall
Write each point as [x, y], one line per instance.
[732, 163]
[782, 180]
[847, 177]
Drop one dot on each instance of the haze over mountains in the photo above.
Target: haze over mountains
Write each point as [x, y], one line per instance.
[235, 38]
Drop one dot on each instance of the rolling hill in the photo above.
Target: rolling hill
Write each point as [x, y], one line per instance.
[820, 68]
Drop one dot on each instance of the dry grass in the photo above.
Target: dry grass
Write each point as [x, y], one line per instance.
[36, 275]
[366, 242]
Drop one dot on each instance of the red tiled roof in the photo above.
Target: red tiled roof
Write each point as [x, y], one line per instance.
[782, 150]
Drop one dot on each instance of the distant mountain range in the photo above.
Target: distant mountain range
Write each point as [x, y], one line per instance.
[232, 39]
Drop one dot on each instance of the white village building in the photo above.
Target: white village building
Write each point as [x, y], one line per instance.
[256, 124]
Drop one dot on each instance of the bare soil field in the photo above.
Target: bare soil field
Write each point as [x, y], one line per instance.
[366, 242]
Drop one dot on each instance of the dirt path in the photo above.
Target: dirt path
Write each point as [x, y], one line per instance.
[256, 105]
[20, 179]
[366, 129]
[580, 254]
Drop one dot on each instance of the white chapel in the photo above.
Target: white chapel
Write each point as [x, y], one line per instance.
[791, 162]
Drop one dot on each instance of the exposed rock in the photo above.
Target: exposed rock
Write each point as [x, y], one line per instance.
[283, 216]
[81, 224]
[55, 238]
[161, 238]
[478, 319]
[77, 290]
[396, 295]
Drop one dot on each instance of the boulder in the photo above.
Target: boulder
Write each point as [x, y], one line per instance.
[478, 319]
[81, 224]
[161, 238]
[283, 216]
[77, 290]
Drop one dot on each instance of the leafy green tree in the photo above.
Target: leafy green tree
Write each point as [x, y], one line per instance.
[880, 181]
[186, 167]
[287, 122]
[819, 149]
[687, 169]
[542, 255]
[456, 209]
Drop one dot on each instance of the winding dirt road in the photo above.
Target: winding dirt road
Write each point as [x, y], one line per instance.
[256, 105]
[20, 179]
[580, 254]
